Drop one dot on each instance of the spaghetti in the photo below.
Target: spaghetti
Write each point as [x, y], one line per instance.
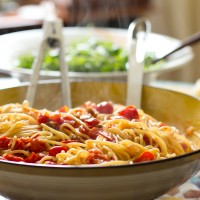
[100, 134]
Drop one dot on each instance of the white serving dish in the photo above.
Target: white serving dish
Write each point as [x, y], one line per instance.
[14, 44]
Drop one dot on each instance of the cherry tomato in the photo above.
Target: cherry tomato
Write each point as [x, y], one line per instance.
[105, 107]
[145, 156]
[53, 151]
[43, 118]
[130, 112]
[92, 122]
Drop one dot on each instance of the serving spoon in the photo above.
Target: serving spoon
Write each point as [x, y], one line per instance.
[137, 34]
[186, 42]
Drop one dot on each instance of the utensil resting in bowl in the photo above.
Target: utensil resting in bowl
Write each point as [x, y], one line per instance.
[52, 38]
[137, 35]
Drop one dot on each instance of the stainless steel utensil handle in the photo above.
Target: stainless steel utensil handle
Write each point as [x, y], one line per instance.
[52, 32]
[137, 35]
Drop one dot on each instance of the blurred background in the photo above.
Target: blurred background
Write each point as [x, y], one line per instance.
[178, 19]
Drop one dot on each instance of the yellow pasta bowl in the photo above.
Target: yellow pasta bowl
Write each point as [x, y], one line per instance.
[145, 180]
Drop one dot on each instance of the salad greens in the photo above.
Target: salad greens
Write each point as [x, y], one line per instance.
[87, 55]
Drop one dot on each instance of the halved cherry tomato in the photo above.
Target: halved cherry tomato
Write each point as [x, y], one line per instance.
[130, 112]
[105, 107]
[53, 151]
[92, 122]
[145, 156]
[43, 118]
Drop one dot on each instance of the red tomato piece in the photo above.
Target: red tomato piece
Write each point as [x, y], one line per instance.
[53, 151]
[105, 107]
[4, 141]
[11, 157]
[37, 146]
[33, 158]
[95, 154]
[93, 133]
[56, 117]
[145, 156]
[43, 118]
[130, 112]
[70, 121]
[82, 129]
[63, 109]
[19, 144]
[92, 122]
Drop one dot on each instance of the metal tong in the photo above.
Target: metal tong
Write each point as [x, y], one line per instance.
[52, 38]
[137, 34]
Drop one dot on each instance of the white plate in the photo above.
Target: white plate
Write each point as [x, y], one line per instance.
[14, 44]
